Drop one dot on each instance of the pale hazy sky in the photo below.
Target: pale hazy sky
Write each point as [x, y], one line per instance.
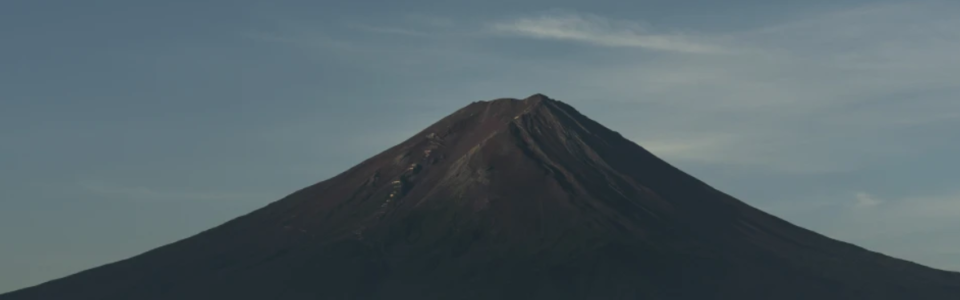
[126, 125]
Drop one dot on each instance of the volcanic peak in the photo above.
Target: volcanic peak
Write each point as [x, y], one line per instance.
[507, 199]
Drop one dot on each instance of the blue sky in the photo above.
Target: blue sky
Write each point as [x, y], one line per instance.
[126, 125]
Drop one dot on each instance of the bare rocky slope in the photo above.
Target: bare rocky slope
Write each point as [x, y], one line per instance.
[507, 199]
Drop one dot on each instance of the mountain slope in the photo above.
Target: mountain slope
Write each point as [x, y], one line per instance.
[507, 199]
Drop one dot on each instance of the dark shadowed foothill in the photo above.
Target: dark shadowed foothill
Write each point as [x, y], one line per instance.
[507, 199]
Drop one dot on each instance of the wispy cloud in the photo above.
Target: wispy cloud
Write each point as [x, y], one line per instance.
[864, 200]
[815, 99]
[596, 30]
[899, 218]
[891, 225]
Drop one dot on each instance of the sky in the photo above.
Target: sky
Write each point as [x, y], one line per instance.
[127, 125]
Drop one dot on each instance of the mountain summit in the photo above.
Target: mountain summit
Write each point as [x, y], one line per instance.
[507, 199]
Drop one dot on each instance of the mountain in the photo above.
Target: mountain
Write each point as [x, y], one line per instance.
[507, 199]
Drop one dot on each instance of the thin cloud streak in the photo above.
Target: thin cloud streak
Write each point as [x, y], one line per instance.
[890, 225]
[815, 100]
[595, 30]
[866, 200]
[876, 220]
